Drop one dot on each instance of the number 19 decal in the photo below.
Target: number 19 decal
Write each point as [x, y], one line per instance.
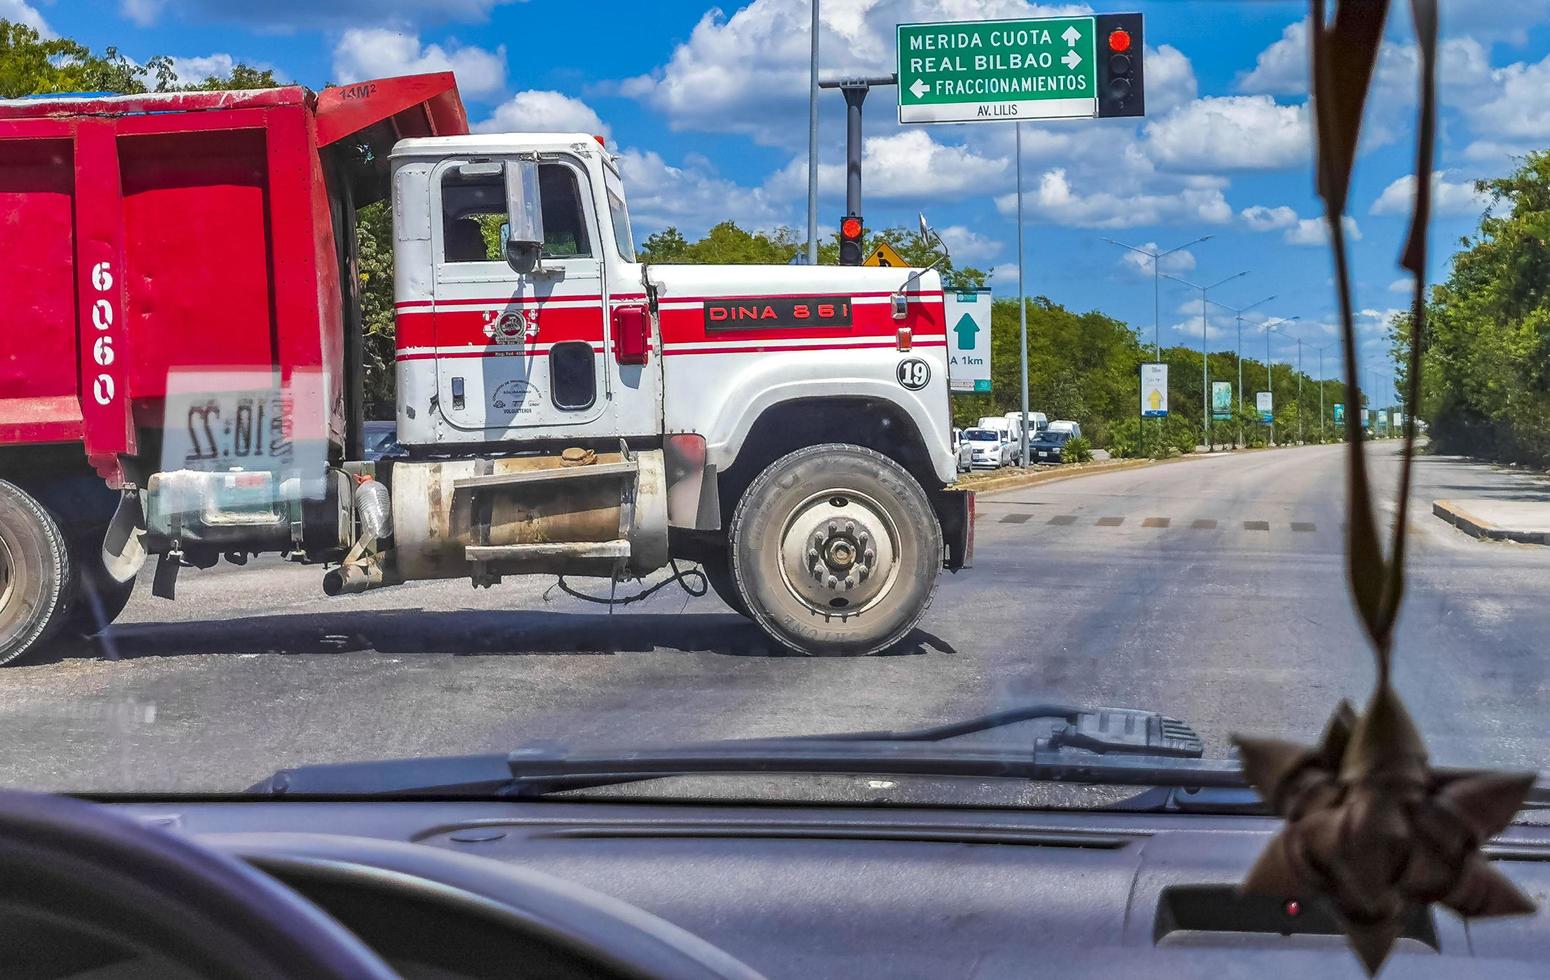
[914, 373]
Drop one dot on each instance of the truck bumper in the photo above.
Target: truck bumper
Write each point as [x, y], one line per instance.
[955, 512]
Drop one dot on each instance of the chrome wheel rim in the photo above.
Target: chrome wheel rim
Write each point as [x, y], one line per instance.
[839, 553]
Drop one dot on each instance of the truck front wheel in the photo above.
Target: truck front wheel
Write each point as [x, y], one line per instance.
[35, 574]
[835, 550]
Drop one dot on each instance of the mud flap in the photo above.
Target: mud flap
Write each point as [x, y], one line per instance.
[955, 511]
[123, 547]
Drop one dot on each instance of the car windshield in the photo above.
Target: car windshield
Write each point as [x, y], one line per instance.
[394, 389]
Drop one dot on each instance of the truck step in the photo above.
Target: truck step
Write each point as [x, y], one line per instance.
[561, 549]
[516, 478]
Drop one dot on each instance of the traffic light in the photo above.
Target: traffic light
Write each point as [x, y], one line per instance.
[850, 239]
[1121, 82]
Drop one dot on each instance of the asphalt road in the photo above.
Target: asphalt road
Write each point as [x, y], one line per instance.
[1212, 589]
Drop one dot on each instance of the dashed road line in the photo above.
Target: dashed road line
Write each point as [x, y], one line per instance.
[1063, 520]
[1110, 521]
[1256, 525]
[1204, 524]
[1156, 522]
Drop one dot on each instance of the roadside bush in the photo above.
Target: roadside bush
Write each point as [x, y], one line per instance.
[1078, 450]
[1131, 438]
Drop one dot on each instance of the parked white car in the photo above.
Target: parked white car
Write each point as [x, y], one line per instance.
[963, 452]
[991, 448]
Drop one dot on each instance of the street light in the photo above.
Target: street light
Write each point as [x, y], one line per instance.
[1205, 384]
[1321, 351]
[1270, 325]
[1238, 316]
[1155, 256]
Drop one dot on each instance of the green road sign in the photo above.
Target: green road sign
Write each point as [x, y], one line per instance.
[997, 70]
[1339, 413]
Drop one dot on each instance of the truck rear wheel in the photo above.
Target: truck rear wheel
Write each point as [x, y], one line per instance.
[35, 574]
[836, 550]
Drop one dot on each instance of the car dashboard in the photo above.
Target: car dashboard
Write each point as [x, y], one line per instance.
[805, 892]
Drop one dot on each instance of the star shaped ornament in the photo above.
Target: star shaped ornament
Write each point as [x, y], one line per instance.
[1373, 828]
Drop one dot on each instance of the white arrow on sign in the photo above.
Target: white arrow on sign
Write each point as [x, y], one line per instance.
[920, 88]
[1072, 59]
[1071, 36]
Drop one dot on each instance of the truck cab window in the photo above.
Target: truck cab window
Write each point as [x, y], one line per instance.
[473, 211]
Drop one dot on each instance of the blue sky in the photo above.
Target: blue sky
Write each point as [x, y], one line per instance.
[707, 106]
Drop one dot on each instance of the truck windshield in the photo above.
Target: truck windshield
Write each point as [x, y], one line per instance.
[624, 239]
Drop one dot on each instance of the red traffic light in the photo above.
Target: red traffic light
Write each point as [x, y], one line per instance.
[850, 228]
[1119, 40]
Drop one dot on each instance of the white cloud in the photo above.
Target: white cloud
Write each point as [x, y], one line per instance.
[1517, 114]
[967, 245]
[192, 71]
[909, 164]
[1260, 218]
[1175, 263]
[1056, 201]
[1282, 68]
[1449, 198]
[748, 73]
[539, 111]
[1403, 284]
[1314, 232]
[1234, 132]
[694, 197]
[142, 12]
[1003, 279]
[1170, 80]
[376, 52]
[20, 12]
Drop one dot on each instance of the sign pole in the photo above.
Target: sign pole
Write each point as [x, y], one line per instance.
[812, 146]
[1022, 300]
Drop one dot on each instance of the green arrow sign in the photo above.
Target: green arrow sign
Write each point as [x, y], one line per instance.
[997, 70]
[966, 329]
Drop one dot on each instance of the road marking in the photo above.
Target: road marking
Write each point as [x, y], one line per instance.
[1156, 522]
[1204, 524]
[1015, 518]
[1304, 526]
[1063, 520]
[1110, 521]
[1256, 525]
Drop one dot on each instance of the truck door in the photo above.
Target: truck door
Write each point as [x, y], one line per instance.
[516, 354]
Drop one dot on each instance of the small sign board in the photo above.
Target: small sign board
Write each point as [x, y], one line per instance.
[998, 70]
[1339, 414]
[1221, 400]
[1154, 390]
[884, 255]
[1264, 401]
[968, 340]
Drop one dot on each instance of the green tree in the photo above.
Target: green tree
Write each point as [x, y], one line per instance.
[1486, 358]
[32, 64]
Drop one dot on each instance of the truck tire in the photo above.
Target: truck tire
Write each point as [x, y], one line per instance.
[835, 551]
[99, 597]
[718, 573]
[35, 574]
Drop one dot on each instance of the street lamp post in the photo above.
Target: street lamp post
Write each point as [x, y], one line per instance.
[1156, 257]
[812, 144]
[1205, 383]
[1270, 369]
[1321, 391]
[1238, 317]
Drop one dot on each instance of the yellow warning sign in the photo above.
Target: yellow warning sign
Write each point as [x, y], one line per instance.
[884, 255]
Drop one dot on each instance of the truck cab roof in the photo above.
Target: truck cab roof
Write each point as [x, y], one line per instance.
[491, 143]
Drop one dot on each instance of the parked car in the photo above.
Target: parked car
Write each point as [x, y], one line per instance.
[963, 452]
[1046, 448]
[991, 448]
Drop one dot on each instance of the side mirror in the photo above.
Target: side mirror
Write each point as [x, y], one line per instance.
[524, 216]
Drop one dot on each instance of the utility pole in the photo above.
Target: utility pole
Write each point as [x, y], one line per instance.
[1205, 383]
[1238, 318]
[1299, 391]
[812, 146]
[1321, 392]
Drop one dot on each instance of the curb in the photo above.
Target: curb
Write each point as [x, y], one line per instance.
[1480, 528]
[1064, 472]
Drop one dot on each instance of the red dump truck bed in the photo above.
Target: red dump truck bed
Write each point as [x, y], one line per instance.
[139, 234]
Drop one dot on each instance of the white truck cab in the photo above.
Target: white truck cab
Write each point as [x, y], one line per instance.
[530, 337]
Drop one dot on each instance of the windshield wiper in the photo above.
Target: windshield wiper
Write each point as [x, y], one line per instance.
[1118, 746]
